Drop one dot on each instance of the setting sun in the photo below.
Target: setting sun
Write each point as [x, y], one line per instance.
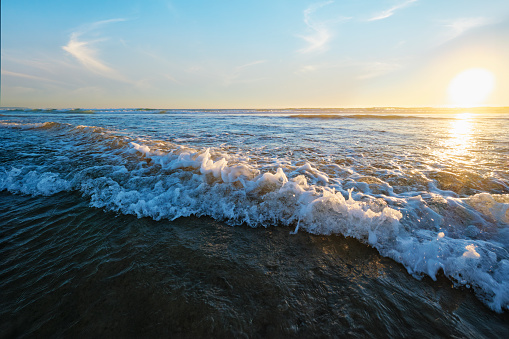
[471, 87]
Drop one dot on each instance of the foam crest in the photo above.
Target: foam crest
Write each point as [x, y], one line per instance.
[494, 206]
[33, 182]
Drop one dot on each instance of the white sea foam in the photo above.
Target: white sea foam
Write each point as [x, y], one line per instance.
[17, 180]
[428, 232]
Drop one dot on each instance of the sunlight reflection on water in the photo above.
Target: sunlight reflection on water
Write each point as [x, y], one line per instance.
[459, 145]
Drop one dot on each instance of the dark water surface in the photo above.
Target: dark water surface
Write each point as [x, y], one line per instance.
[70, 270]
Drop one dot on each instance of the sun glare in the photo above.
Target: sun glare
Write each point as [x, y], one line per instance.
[471, 87]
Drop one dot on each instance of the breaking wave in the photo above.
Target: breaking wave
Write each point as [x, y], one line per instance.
[429, 232]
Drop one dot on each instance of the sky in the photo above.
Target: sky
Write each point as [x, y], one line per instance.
[249, 54]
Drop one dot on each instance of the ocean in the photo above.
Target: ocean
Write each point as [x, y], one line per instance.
[374, 222]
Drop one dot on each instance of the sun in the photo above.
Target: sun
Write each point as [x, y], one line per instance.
[471, 87]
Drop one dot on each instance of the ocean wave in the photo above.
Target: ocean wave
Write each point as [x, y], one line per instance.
[384, 116]
[430, 233]
[355, 116]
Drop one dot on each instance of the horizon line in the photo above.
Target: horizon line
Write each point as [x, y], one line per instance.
[252, 108]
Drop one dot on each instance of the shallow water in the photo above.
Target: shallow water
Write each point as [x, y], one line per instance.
[71, 270]
[128, 222]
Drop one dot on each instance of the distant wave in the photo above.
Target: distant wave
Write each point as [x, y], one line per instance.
[354, 116]
[80, 111]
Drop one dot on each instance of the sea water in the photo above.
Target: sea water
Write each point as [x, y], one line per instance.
[383, 221]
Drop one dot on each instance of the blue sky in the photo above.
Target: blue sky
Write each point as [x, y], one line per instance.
[248, 54]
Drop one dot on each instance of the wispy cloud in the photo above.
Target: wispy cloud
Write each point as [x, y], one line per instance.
[320, 34]
[389, 12]
[309, 69]
[98, 24]
[251, 64]
[459, 26]
[86, 53]
[376, 69]
[28, 76]
[360, 70]
[171, 78]
[238, 75]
